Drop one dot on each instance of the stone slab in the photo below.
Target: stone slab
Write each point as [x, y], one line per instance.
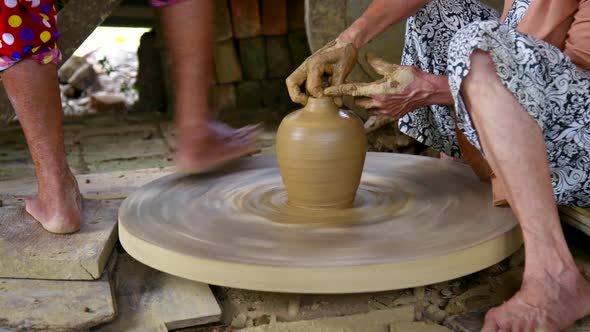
[156, 161]
[55, 305]
[375, 321]
[108, 185]
[28, 251]
[15, 170]
[150, 300]
[123, 146]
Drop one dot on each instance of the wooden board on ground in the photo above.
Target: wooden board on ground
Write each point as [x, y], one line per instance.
[56, 305]
[28, 251]
[109, 185]
[375, 321]
[576, 217]
[150, 300]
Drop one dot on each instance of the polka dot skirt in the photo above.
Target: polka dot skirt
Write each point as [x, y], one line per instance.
[163, 3]
[28, 30]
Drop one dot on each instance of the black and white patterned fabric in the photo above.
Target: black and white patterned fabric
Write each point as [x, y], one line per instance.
[440, 39]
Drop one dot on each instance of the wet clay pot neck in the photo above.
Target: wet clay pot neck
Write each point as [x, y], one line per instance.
[321, 152]
[321, 106]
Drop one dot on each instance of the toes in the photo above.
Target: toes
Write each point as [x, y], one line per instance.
[490, 324]
[246, 131]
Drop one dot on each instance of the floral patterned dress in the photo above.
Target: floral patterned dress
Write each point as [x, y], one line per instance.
[440, 39]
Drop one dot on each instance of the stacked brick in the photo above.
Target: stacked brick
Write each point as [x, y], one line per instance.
[258, 44]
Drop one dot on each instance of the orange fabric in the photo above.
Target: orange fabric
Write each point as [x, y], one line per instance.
[562, 23]
[548, 20]
[577, 44]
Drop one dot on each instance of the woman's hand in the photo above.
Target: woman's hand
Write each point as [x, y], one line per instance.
[401, 90]
[335, 59]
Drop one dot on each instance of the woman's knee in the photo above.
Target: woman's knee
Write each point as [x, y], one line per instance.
[482, 65]
[468, 50]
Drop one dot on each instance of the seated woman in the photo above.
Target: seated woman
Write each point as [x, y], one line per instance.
[511, 94]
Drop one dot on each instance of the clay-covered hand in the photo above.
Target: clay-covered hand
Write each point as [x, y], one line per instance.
[401, 90]
[336, 59]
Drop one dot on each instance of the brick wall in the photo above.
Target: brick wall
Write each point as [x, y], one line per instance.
[258, 43]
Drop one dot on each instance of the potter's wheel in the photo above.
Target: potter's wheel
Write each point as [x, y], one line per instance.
[416, 221]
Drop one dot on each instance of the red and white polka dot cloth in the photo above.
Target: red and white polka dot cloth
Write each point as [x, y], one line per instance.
[163, 3]
[28, 29]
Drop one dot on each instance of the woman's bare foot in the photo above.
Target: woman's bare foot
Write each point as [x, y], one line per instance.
[546, 302]
[213, 144]
[57, 207]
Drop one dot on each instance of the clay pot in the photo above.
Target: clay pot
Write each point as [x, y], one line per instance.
[321, 153]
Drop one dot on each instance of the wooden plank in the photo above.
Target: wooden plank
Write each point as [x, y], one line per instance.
[28, 251]
[576, 217]
[150, 300]
[52, 305]
[78, 20]
[109, 185]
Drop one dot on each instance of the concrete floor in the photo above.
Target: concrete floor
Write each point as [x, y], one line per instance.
[103, 143]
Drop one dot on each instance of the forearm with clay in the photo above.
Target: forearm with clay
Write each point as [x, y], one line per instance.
[410, 86]
[338, 57]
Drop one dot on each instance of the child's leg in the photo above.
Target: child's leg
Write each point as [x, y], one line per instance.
[28, 56]
[34, 93]
[201, 143]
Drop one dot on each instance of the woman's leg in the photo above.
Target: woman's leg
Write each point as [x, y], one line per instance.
[553, 294]
[34, 92]
[201, 143]
[428, 35]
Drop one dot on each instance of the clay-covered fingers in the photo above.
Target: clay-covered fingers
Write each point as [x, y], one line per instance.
[247, 131]
[334, 60]
[294, 82]
[380, 66]
[368, 103]
[357, 89]
[333, 63]
[313, 83]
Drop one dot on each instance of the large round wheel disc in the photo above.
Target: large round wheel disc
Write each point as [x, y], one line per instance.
[415, 221]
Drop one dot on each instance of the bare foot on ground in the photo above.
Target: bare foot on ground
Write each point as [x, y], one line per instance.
[213, 145]
[546, 302]
[59, 209]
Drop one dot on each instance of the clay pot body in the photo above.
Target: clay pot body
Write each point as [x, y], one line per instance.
[321, 153]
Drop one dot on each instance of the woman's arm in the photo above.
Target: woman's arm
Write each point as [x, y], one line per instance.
[380, 15]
